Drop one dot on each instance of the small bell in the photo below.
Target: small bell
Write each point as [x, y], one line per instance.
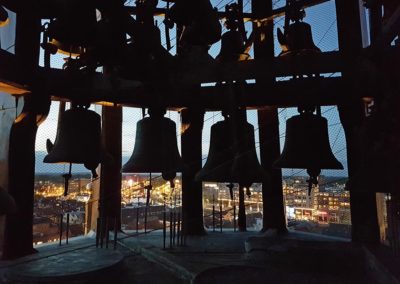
[156, 147]
[232, 47]
[74, 29]
[200, 21]
[297, 38]
[232, 42]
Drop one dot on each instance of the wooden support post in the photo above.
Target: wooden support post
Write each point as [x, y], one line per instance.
[364, 218]
[110, 177]
[18, 240]
[272, 192]
[192, 195]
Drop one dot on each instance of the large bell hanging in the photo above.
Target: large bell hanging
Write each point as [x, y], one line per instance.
[307, 144]
[75, 27]
[156, 148]
[297, 39]
[218, 167]
[78, 139]
[246, 168]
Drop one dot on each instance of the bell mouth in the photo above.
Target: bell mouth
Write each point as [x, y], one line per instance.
[4, 23]
[74, 51]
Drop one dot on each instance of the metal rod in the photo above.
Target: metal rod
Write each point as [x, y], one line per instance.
[234, 216]
[213, 213]
[137, 217]
[220, 215]
[164, 224]
[183, 233]
[67, 230]
[61, 228]
[170, 228]
[178, 233]
[107, 232]
[145, 219]
[97, 232]
[101, 232]
[174, 221]
[115, 233]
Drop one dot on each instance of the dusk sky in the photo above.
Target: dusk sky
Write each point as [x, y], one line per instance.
[323, 21]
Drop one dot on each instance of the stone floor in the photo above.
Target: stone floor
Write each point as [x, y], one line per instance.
[227, 257]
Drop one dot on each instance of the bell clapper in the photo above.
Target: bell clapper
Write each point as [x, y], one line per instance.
[230, 186]
[248, 192]
[67, 177]
[148, 191]
[313, 180]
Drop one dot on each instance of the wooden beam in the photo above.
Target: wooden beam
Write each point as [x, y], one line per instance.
[246, 16]
[327, 62]
[323, 91]
[10, 81]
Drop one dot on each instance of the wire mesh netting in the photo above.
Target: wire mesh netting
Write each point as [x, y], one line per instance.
[325, 211]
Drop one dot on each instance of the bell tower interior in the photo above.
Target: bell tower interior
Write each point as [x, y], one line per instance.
[213, 140]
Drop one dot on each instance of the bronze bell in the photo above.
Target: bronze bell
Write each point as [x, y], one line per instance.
[307, 144]
[297, 39]
[232, 47]
[218, 167]
[230, 159]
[4, 20]
[156, 147]
[200, 21]
[78, 139]
[7, 203]
[246, 168]
[74, 29]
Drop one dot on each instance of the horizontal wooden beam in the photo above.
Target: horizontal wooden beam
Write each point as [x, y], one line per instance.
[246, 16]
[180, 92]
[315, 91]
[48, 9]
[328, 62]
[10, 79]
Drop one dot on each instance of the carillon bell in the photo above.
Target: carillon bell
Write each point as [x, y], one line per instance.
[200, 21]
[232, 47]
[233, 41]
[246, 168]
[218, 167]
[156, 147]
[307, 145]
[78, 139]
[297, 38]
[7, 203]
[4, 20]
[74, 29]
[231, 159]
